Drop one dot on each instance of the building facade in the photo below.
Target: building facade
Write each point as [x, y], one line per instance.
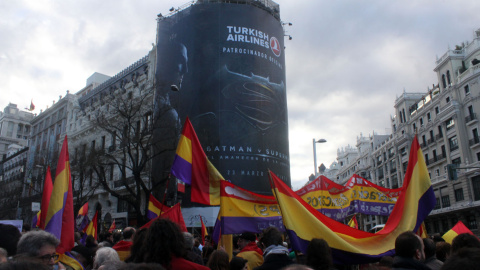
[446, 124]
[14, 128]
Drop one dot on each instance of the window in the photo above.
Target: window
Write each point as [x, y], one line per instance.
[429, 117]
[414, 127]
[449, 81]
[437, 203]
[478, 156]
[447, 99]
[476, 188]
[92, 145]
[403, 151]
[450, 124]
[472, 222]
[437, 110]
[444, 82]
[445, 201]
[421, 122]
[459, 194]
[467, 90]
[437, 172]
[424, 139]
[103, 142]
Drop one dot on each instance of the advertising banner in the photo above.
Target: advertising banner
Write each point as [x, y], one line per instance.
[223, 66]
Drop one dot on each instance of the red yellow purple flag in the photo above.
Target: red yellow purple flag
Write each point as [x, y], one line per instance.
[204, 231]
[192, 166]
[459, 228]
[60, 217]
[92, 227]
[303, 222]
[155, 208]
[112, 227]
[174, 213]
[46, 194]
[83, 211]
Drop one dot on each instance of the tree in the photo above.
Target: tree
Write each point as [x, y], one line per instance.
[127, 117]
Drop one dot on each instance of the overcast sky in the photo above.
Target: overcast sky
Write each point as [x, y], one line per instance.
[346, 63]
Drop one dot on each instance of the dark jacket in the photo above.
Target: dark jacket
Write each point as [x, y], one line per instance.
[402, 263]
[274, 262]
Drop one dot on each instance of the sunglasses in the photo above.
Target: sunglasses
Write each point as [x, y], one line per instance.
[48, 257]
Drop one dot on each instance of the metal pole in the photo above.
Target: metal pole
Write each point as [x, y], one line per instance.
[314, 158]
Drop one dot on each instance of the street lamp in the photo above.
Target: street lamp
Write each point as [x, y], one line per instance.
[315, 153]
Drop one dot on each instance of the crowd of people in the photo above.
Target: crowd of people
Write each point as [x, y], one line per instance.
[164, 246]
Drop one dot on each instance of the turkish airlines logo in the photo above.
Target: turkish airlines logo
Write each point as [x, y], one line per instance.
[275, 46]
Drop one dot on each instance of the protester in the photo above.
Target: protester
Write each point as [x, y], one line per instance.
[40, 245]
[409, 252]
[275, 254]
[238, 263]
[141, 266]
[430, 256]
[3, 255]
[103, 255]
[463, 259]
[319, 255]
[189, 245]
[249, 250]
[123, 247]
[385, 263]
[112, 265]
[206, 252]
[464, 240]
[136, 254]
[218, 260]
[296, 267]
[83, 255]
[24, 264]
[9, 236]
[163, 244]
[443, 250]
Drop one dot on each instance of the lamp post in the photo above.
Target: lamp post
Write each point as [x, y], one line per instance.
[315, 153]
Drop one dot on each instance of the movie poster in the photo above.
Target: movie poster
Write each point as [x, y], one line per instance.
[223, 66]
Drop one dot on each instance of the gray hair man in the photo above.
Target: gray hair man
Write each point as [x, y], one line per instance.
[40, 245]
[103, 255]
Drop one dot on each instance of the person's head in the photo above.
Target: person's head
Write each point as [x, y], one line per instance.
[319, 254]
[128, 233]
[271, 236]
[238, 263]
[136, 254]
[112, 265]
[3, 255]
[24, 264]
[39, 244]
[245, 238]
[163, 240]
[91, 242]
[429, 247]
[189, 241]
[443, 250]
[9, 236]
[103, 255]
[296, 267]
[464, 258]
[409, 245]
[218, 260]
[83, 254]
[464, 240]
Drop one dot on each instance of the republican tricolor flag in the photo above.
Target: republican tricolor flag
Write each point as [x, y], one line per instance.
[204, 231]
[155, 208]
[92, 227]
[112, 227]
[459, 228]
[83, 211]
[60, 217]
[353, 222]
[303, 222]
[192, 166]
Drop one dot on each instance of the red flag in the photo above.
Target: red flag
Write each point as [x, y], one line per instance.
[112, 227]
[204, 231]
[47, 193]
[459, 228]
[83, 211]
[174, 214]
[60, 220]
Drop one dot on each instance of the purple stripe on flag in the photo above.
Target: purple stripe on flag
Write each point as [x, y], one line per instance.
[357, 206]
[339, 256]
[151, 215]
[182, 169]
[427, 203]
[54, 226]
[236, 225]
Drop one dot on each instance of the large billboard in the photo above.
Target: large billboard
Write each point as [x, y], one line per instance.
[223, 66]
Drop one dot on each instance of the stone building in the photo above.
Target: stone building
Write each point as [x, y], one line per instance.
[14, 128]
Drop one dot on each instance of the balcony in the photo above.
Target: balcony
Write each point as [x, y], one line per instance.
[430, 141]
[453, 147]
[423, 145]
[438, 136]
[470, 118]
[473, 141]
[436, 158]
[468, 73]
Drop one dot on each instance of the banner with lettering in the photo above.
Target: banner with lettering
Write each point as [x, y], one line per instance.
[358, 195]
